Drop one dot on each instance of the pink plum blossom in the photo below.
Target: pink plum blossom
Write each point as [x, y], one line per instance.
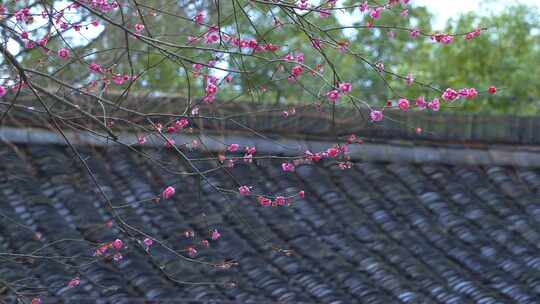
[364, 6]
[333, 96]
[434, 105]
[403, 104]
[63, 53]
[450, 95]
[376, 115]
[421, 102]
[139, 27]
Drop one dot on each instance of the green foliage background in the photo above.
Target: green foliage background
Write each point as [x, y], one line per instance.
[507, 56]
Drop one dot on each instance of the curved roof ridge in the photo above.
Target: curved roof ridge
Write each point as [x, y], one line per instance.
[320, 124]
[390, 151]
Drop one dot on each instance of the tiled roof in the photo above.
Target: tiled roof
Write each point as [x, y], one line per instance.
[380, 232]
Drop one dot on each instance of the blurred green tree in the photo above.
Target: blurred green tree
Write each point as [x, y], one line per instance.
[507, 55]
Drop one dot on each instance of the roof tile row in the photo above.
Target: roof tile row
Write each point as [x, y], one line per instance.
[376, 233]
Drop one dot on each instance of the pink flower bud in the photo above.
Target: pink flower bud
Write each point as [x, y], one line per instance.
[192, 251]
[287, 167]
[189, 233]
[168, 192]
[148, 242]
[264, 201]
[376, 13]
[332, 152]
[117, 244]
[74, 282]
[142, 140]
[233, 147]
[297, 70]
[280, 201]
[409, 80]
[345, 87]
[215, 235]
[244, 190]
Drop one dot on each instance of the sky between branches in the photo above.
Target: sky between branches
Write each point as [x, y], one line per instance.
[446, 9]
[443, 10]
